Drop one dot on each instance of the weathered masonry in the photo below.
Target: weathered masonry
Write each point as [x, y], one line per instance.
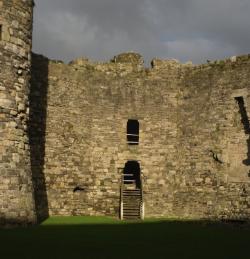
[117, 138]
[16, 188]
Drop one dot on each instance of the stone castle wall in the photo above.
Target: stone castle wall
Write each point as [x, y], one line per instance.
[210, 120]
[68, 128]
[88, 106]
[186, 114]
[16, 187]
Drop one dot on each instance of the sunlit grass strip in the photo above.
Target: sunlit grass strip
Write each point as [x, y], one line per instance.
[79, 220]
[90, 220]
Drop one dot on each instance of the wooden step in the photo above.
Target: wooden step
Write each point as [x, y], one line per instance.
[131, 212]
[132, 201]
[129, 195]
[131, 208]
[125, 203]
[132, 193]
[132, 218]
[131, 204]
[135, 191]
[137, 215]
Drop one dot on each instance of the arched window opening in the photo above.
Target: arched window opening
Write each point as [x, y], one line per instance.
[133, 132]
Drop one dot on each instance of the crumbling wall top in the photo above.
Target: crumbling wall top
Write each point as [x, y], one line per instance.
[126, 63]
[129, 57]
[79, 61]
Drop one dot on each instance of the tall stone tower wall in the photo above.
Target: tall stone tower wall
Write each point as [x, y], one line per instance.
[16, 188]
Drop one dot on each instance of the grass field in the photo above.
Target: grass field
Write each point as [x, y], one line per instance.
[98, 237]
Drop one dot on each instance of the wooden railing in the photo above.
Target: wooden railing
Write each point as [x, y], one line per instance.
[121, 197]
[142, 208]
[122, 188]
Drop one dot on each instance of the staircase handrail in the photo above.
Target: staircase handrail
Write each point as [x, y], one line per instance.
[142, 198]
[121, 196]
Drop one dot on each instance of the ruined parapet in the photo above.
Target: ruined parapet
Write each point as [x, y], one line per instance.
[129, 57]
[132, 59]
[16, 188]
[169, 63]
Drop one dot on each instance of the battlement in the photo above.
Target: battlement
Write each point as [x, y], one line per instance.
[134, 61]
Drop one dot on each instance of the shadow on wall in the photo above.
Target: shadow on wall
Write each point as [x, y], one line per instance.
[36, 131]
[245, 123]
[12, 223]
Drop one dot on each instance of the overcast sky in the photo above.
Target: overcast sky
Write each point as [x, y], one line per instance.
[194, 30]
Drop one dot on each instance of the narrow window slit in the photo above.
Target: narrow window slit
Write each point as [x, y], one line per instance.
[243, 113]
[1, 32]
[133, 132]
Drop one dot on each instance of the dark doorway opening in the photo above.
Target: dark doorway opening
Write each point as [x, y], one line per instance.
[133, 132]
[132, 174]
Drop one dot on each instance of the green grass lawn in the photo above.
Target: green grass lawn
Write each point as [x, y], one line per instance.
[98, 237]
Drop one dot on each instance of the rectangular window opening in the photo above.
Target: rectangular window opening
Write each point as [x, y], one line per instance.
[133, 132]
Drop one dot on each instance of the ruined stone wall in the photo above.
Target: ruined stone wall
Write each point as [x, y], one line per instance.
[194, 135]
[88, 106]
[215, 149]
[16, 187]
[68, 129]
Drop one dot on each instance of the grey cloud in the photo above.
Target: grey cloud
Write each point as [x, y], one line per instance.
[185, 29]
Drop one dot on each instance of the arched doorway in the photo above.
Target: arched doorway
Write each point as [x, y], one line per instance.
[131, 202]
[132, 175]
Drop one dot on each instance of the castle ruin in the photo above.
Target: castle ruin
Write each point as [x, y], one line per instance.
[117, 138]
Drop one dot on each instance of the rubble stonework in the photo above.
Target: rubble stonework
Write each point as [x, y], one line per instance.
[16, 187]
[194, 149]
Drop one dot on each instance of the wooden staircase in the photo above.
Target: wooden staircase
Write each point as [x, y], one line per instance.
[131, 205]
